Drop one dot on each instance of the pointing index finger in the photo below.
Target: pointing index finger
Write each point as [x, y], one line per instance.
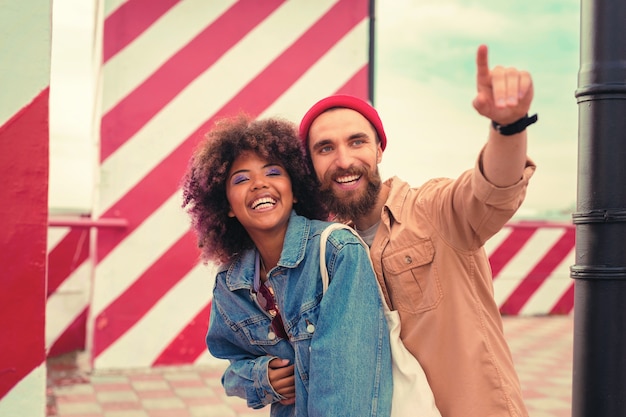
[482, 65]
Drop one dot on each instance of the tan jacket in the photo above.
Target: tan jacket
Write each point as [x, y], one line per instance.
[429, 258]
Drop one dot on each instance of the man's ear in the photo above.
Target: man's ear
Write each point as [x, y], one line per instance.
[231, 213]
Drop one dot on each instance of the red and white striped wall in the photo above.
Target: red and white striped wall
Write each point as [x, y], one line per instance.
[133, 294]
[170, 68]
[24, 82]
[530, 264]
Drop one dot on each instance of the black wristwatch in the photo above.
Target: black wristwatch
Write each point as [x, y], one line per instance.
[515, 127]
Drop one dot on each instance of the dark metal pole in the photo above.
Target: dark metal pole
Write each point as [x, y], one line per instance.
[599, 376]
[372, 51]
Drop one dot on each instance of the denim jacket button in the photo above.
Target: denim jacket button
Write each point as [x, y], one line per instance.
[310, 328]
[407, 259]
[271, 335]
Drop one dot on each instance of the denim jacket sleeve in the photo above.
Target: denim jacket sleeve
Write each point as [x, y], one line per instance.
[249, 379]
[246, 376]
[350, 369]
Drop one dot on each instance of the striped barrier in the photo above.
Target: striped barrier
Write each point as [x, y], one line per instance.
[530, 263]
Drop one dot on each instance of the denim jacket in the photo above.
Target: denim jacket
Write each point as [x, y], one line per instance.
[339, 343]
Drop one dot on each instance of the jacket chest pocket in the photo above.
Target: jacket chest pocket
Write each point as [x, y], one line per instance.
[258, 331]
[411, 277]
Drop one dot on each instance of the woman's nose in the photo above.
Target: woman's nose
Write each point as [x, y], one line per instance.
[258, 183]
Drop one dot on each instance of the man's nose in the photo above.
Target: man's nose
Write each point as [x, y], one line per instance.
[344, 158]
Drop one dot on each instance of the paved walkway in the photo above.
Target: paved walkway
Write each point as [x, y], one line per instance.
[541, 346]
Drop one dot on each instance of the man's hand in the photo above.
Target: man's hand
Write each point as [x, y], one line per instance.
[504, 94]
[280, 374]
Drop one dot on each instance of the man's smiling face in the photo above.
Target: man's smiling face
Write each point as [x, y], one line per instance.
[345, 153]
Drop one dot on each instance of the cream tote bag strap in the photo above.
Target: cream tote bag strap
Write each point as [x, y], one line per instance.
[412, 395]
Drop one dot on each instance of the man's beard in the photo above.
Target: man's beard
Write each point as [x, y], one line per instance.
[348, 205]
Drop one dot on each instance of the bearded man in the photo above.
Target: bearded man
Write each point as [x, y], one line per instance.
[426, 243]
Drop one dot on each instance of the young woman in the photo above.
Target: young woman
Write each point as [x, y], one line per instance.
[251, 197]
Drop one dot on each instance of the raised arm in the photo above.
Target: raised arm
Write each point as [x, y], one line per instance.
[503, 96]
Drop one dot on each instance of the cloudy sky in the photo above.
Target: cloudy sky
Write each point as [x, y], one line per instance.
[425, 84]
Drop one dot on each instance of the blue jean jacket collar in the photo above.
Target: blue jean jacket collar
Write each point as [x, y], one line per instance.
[241, 271]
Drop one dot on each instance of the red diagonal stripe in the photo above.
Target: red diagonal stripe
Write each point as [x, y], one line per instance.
[23, 252]
[145, 292]
[145, 197]
[67, 256]
[565, 304]
[509, 247]
[127, 22]
[357, 85]
[548, 263]
[72, 338]
[136, 109]
[189, 344]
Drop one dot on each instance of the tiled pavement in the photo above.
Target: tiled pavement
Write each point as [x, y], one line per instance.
[542, 352]
[541, 346]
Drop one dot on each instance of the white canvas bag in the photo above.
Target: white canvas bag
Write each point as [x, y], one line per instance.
[412, 395]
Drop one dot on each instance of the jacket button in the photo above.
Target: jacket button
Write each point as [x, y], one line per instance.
[271, 335]
[407, 259]
[310, 328]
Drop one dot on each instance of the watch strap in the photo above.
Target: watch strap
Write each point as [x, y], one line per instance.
[515, 127]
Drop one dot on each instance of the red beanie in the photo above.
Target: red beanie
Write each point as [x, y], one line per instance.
[347, 102]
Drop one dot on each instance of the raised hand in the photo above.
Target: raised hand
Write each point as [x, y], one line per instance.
[503, 94]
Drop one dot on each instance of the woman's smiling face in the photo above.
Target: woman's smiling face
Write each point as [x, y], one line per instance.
[259, 194]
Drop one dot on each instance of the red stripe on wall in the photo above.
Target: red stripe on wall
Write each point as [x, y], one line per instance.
[67, 256]
[23, 221]
[119, 316]
[130, 20]
[136, 109]
[565, 304]
[144, 198]
[509, 248]
[547, 264]
[187, 346]
[357, 85]
[72, 338]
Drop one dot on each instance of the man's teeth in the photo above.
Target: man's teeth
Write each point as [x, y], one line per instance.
[349, 178]
[263, 202]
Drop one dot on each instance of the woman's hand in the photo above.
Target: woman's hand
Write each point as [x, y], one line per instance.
[280, 374]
